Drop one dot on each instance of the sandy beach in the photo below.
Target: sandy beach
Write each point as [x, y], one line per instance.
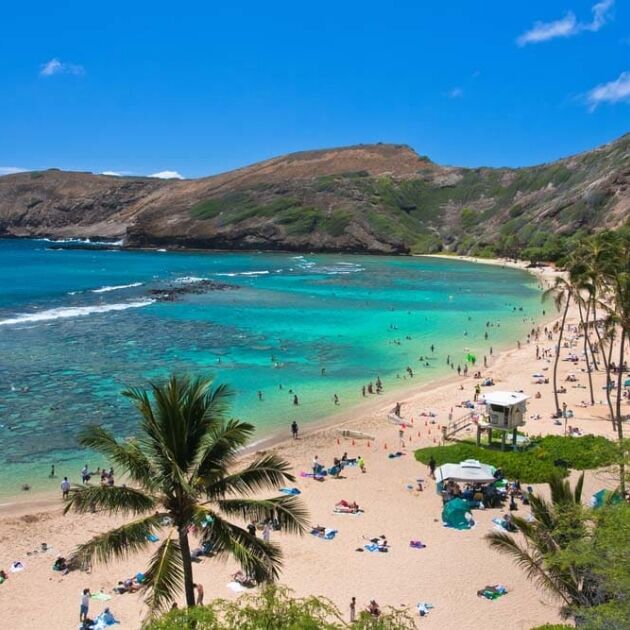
[447, 573]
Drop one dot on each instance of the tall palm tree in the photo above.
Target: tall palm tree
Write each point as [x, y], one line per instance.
[181, 475]
[561, 293]
[557, 523]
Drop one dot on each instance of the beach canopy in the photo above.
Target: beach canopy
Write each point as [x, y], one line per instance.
[627, 382]
[454, 514]
[469, 470]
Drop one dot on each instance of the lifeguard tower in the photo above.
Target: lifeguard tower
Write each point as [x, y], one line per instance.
[505, 412]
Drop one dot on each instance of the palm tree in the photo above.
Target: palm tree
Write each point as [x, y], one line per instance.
[181, 476]
[561, 293]
[557, 524]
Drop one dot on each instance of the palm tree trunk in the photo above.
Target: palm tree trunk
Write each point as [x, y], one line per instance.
[555, 365]
[588, 363]
[187, 565]
[622, 467]
[590, 344]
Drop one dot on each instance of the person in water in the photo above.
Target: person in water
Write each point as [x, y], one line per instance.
[295, 400]
[294, 430]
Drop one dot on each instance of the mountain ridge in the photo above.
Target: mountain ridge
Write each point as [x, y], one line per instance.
[369, 198]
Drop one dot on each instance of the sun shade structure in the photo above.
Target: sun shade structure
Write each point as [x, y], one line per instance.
[469, 471]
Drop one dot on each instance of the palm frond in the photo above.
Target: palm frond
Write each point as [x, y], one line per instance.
[164, 576]
[119, 542]
[127, 456]
[256, 557]
[219, 448]
[111, 499]
[264, 473]
[531, 564]
[291, 511]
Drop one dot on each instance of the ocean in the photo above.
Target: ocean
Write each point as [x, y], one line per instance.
[77, 326]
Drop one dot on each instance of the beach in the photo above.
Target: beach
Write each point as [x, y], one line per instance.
[447, 573]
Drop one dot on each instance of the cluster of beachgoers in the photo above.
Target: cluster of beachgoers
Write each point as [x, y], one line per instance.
[386, 530]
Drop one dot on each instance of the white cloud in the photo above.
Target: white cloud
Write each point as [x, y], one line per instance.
[112, 173]
[167, 175]
[55, 66]
[456, 92]
[11, 170]
[568, 26]
[617, 91]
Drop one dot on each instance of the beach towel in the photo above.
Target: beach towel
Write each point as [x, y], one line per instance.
[152, 538]
[329, 534]
[395, 455]
[499, 524]
[140, 578]
[236, 587]
[375, 547]
[104, 620]
[492, 592]
[16, 567]
[416, 544]
[424, 608]
[100, 597]
[343, 510]
[318, 477]
[290, 491]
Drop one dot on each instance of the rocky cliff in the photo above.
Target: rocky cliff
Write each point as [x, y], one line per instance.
[366, 198]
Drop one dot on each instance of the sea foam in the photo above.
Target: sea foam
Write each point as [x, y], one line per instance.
[71, 311]
[116, 287]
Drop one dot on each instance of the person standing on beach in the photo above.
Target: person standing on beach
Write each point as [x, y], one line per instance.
[85, 604]
[52, 472]
[361, 463]
[251, 528]
[65, 488]
[294, 430]
[353, 610]
[85, 474]
[199, 588]
[432, 466]
[266, 532]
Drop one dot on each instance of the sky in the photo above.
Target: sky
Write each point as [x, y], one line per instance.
[201, 87]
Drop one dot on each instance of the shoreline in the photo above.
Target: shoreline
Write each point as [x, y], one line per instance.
[377, 405]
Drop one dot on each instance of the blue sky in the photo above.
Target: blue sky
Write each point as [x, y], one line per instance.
[198, 88]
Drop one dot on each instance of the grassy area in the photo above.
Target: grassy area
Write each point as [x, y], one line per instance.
[535, 464]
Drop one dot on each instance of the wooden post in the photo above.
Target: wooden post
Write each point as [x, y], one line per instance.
[478, 436]
[503, 440]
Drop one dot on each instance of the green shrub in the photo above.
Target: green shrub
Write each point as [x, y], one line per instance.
[536, 463]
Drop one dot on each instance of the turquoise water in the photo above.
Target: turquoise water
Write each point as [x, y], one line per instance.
[77, 326]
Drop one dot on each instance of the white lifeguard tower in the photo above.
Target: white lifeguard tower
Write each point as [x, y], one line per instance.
[505, 412]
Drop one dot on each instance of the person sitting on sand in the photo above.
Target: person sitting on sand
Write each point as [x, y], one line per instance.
[61, 565]
[374, 609]
[346, 506]
[244, 580]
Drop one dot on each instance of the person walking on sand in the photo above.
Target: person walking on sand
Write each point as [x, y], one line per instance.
[353, 610]
[85, 604]
[85, 474]
[432, 467]
[266, 532]
[361, 463]
[65, 488]
[199, 588]
[294, 430]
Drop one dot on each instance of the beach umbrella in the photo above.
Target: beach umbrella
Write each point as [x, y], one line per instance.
[627, 383]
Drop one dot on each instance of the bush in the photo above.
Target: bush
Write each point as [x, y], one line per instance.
[536, 463]
[274, 608]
